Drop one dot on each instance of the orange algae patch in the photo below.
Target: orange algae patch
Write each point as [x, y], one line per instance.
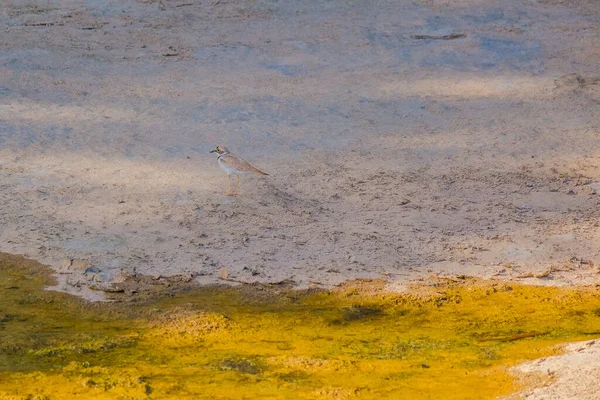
[454, 341]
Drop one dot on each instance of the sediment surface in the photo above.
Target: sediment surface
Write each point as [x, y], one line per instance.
[402, 139]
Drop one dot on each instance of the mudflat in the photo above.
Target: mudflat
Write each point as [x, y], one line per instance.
[402, 139]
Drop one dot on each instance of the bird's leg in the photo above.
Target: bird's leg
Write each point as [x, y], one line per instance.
[230, 191]
[237, 184]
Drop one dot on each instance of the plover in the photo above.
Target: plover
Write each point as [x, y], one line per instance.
[234, 165]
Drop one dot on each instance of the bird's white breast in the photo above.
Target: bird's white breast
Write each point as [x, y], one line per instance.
[227, 168]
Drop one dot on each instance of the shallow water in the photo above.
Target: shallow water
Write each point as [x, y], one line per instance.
[450, 340]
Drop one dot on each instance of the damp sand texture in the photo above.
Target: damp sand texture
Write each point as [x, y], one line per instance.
[452, 341]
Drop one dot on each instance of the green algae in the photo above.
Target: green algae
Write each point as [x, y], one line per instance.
[453, 341]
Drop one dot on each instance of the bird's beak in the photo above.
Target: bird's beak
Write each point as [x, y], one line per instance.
[213, 151]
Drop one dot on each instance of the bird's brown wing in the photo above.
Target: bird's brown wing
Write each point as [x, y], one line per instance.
[240, 164]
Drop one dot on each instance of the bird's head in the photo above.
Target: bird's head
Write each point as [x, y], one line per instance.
[220, 150]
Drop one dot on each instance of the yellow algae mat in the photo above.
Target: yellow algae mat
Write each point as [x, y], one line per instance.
[445, 341]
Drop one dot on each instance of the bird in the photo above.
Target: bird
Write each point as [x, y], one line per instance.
[234, 165]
